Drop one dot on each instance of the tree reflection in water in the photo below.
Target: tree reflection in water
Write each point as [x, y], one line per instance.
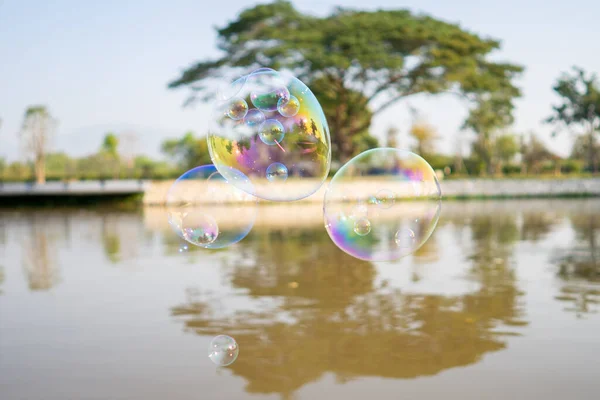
[579, 263]
[331, 316]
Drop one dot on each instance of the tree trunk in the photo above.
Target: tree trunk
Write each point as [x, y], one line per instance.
[592, 153]
[40, 170]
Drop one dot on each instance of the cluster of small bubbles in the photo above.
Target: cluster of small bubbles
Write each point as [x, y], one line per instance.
[277, 172]
[223, 350]
[377, 228]
[196, 212]
[183, 248]
[254, 117]
[238, 108]
[289, 107]
[271, 132]
[285, 124]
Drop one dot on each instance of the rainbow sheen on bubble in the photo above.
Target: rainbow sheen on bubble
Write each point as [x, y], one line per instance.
[285, 125]
[208, 211]
[223, 350]
[382, 205]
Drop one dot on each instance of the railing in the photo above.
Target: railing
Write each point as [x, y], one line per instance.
[78, 188]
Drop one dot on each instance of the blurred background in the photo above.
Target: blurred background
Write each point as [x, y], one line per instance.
[104, 104]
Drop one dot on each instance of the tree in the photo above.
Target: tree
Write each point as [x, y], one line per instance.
[110, 144]
[580, 107]
[581, 148]
[490, 114]
[357, 63]
[188, 152]
[534, 154]
[506, 148]
[425, 135]
[36, 131]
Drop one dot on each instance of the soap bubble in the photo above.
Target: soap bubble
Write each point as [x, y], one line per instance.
[223, 350]
[238, 108]
[285, 125]
[277, 172]
[382, 205]
[254, 117]
[362, 226]
[207, 211]
[271, 132]
[288, 107]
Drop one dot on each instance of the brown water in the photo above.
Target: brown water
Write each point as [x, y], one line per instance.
[501, 303]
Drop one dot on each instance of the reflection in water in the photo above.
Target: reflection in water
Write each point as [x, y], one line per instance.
[300, 308]
[333, 317]
[39, 254]
[579, 264]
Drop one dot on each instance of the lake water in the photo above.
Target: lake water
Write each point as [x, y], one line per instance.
[501, 303]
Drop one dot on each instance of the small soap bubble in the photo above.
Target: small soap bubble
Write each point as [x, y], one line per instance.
[268, 101]
[223, 350]
[183, 248]
[238, 108]
[362, 226]
[288, 107]
[200, 230]
[254, 117]
[405, 238]
[277, 172]
[271, 132]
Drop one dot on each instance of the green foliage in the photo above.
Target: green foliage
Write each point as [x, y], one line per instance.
[358, 63]
[425, 136]
[188, 152]
[535, 155]
[506, 147]
[579, 108]
[110, 144]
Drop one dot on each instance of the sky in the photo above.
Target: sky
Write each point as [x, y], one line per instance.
[104, 65]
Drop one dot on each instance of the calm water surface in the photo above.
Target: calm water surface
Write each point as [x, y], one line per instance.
[500, 303]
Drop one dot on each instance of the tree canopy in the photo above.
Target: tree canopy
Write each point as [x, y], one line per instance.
[579, 107]
[358, 63]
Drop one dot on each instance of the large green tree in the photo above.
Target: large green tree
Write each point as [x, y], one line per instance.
[358, 63]
[579, 107]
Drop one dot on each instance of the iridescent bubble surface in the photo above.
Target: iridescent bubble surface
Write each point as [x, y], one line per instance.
[277, 172]
[382, 205]
[208, 211]
[288, 107]
[286, 125]
[223, 350]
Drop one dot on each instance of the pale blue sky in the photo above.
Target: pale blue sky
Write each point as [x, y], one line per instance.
[105, 64]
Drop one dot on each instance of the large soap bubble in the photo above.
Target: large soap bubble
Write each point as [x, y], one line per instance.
[283, 124]
[382, 205]
[208, 211]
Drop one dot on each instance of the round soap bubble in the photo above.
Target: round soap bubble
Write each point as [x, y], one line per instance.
[223, 350]
[284, 124]
[208, 211]
[382, 205]
[277, 172]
